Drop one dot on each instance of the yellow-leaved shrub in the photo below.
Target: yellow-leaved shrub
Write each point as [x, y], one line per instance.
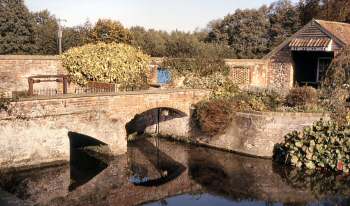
[110, 63]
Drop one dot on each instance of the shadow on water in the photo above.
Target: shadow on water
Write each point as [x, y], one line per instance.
[168, 169]
[83, 167]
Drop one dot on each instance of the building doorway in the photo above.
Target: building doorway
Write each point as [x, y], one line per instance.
[310, 67]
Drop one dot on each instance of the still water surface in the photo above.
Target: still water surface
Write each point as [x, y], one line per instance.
[174, 174]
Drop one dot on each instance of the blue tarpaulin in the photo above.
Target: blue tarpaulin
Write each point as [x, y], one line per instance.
[164, 76]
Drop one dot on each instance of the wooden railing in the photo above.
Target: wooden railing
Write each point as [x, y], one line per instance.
[90, 88]
[96, 88]
[47, 78]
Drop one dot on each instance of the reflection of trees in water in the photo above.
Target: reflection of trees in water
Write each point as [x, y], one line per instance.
[221, 174]
[243, 178]
[321, 184]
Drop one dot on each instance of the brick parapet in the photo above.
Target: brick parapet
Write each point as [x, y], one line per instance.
[29, 57]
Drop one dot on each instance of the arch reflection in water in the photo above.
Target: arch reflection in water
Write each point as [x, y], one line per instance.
[165, 168]
[83, 167]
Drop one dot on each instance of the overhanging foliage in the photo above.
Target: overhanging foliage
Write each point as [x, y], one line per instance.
[109, 63]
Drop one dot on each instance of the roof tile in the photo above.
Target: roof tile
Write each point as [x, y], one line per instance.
[339, 30]
[310, 42]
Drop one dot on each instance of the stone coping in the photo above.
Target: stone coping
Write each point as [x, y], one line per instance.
[256, 61]
[239, 61]
[29, 57]
[128, 93]
[56, 57]
[305, 114]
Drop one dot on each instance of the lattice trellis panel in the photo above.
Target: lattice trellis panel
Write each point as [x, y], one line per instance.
[240, 75]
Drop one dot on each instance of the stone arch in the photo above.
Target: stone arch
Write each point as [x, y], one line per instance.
[152, 118]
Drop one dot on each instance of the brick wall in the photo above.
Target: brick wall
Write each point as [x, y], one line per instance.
[244, 72]
[256, 71]
[15, 70]
[257, 133]
[276, 73]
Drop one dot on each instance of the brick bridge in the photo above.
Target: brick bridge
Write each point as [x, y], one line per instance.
[36, 130]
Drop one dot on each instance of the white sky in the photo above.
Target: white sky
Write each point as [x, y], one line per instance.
[185, 15]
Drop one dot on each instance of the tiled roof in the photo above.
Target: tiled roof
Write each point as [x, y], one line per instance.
[310, 42]
[317, 29]
[339, 30]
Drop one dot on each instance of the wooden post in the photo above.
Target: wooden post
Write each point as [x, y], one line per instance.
[31, 87]
[65, 85]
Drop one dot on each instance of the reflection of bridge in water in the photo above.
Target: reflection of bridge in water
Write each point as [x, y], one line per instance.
[189, 170]
[168, 169]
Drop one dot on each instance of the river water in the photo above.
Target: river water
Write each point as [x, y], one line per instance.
[160, 172]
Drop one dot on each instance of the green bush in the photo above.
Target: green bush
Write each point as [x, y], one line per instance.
[335, 102]
[339, 72]
[219, 84]
[257, 100]
[323, 146]
[213, 116]
[109, 63]
[302, 96]
[4, 102]
[336, 87]
[247, 102]
[201, 65]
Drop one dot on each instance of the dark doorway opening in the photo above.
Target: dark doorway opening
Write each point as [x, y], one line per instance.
[311, 66]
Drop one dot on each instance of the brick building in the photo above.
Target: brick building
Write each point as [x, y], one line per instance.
[305, 57]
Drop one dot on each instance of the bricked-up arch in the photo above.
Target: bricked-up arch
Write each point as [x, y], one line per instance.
[151, 118]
